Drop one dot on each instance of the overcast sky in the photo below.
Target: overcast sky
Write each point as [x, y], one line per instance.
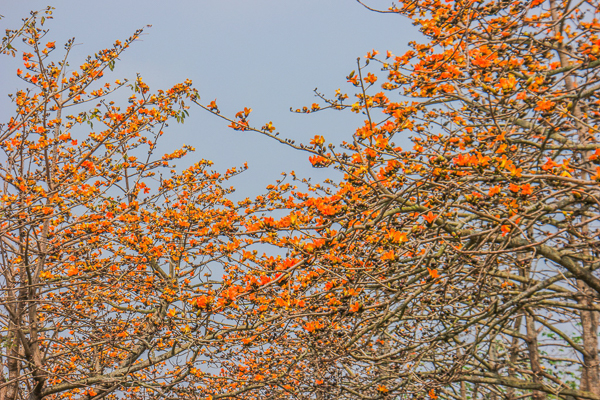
[265, 54]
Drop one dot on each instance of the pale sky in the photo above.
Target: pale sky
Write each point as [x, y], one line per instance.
[265, 54]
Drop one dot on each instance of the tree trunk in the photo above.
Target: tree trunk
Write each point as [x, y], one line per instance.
[590, 373]
[513, 357]
[534, 355]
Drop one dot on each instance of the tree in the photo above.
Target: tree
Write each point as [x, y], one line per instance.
[464, 263]
[459, 263]
[106, 250]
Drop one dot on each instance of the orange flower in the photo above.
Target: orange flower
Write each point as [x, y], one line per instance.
[313, 326]
[544, 105]
[382, 389]
[508, 84]
[597, 176]
[514, 188]
[212, 105]
[318, 161]
[514, 171]
[370, 78]
[433, 273]
[482, 62]
[370, 55]
[494, 190]
[397, 236]
[526, 189]
[281, 302]
[430, 217]
[268, 127]
[244, 113]
[317, 140]
[202, 302]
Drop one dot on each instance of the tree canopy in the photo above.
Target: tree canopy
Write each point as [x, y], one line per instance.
[456, 258]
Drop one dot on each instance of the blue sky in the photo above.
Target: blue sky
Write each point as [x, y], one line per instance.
[265, 54]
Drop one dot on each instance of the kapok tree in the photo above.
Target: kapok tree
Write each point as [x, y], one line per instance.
[458, 257]
[106, 250]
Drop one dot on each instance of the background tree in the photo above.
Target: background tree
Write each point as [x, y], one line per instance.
[106, 250]
[463, 265]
